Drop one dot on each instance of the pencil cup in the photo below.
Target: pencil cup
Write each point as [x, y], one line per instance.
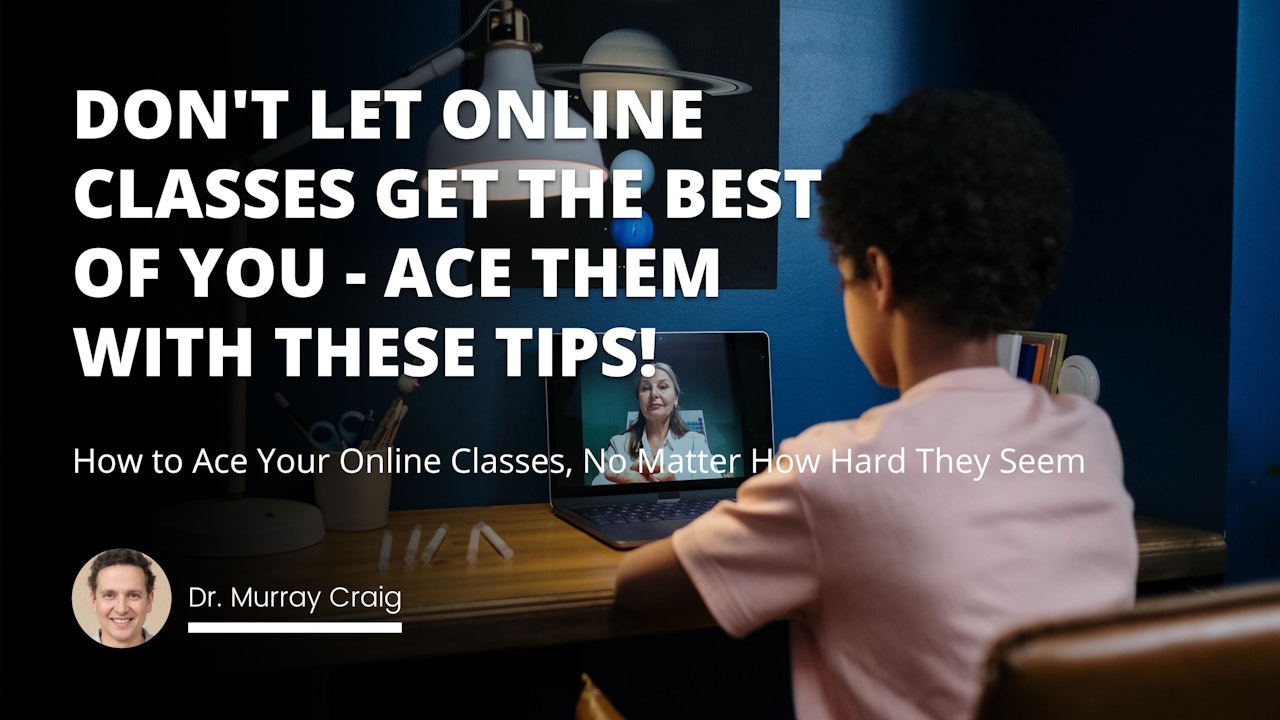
[353, 501]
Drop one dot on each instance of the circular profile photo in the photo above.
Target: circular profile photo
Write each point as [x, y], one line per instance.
[121, 598]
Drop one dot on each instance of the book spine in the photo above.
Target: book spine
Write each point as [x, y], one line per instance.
[1027, 361]
[1008, 346]
[1037, 374]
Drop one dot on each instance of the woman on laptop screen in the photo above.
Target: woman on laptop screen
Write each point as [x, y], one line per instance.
[646, 451]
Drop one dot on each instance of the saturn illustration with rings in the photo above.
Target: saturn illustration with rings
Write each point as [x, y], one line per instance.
[636, 60]
[632, 60]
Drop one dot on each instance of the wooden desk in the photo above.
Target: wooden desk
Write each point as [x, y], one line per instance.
[557, 589]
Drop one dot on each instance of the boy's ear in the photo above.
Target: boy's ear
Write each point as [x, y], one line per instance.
[881, 278]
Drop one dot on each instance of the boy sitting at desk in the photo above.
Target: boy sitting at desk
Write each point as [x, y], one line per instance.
[948, 218]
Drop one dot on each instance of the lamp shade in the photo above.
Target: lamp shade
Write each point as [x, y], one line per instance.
[511, 68]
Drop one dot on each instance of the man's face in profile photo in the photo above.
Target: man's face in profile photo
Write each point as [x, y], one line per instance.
[121, 603]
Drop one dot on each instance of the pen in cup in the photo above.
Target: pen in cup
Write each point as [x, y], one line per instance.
[411, 553]
[473, 545]
[293, 415]
[434, 543]
[366, 428]
[498, 544]
[384, 555]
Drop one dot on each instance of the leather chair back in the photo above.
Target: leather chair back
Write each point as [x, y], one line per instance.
[1195, 655]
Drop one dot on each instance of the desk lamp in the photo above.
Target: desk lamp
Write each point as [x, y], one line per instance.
[508, 67]
[240, 525]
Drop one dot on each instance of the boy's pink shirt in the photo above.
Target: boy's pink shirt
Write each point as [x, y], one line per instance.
[898, 582]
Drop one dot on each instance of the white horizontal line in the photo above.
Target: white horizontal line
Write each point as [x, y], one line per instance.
[294, 628]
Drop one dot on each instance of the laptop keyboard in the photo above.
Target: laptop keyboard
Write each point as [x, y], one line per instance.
[646, 512]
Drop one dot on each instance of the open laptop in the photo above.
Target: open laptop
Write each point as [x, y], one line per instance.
[725, 394]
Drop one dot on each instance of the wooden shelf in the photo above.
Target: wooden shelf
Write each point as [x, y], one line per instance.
[1168, 551]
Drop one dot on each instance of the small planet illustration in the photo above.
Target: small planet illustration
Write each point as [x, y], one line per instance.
[634, 160]
[632, 232]
[631, 59]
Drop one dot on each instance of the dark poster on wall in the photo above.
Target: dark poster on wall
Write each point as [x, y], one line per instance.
[728, 52]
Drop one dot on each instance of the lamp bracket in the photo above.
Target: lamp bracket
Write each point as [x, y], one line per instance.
[509, 28]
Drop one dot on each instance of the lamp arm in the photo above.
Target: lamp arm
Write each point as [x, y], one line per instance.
[443, 65]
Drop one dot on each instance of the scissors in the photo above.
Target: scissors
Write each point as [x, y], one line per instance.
[347, 432]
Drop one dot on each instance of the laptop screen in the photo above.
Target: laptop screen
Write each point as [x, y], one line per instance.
[724, 408]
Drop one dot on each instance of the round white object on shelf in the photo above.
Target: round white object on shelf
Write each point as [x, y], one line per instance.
[1079, 377]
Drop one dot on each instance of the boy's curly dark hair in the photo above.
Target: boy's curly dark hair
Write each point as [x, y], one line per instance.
[969, 198]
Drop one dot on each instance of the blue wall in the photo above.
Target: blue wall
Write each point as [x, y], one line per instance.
[1253, 429]
[1141, 97]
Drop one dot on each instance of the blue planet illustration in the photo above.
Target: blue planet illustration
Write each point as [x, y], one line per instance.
[634, 160]
[632, 232]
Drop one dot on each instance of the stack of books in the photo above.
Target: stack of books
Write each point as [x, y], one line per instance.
[1033, 356]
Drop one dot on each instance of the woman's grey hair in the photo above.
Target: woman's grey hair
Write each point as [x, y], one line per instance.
[677, 426]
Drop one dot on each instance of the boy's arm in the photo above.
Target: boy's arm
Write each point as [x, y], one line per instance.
[651, 581]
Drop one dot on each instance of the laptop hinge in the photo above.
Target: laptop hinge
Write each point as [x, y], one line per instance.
[668, 497]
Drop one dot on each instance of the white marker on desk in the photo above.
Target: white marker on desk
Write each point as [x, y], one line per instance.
[384, 555]
[411, 553]
[473, 545]
[498, 544]
[434, 543]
